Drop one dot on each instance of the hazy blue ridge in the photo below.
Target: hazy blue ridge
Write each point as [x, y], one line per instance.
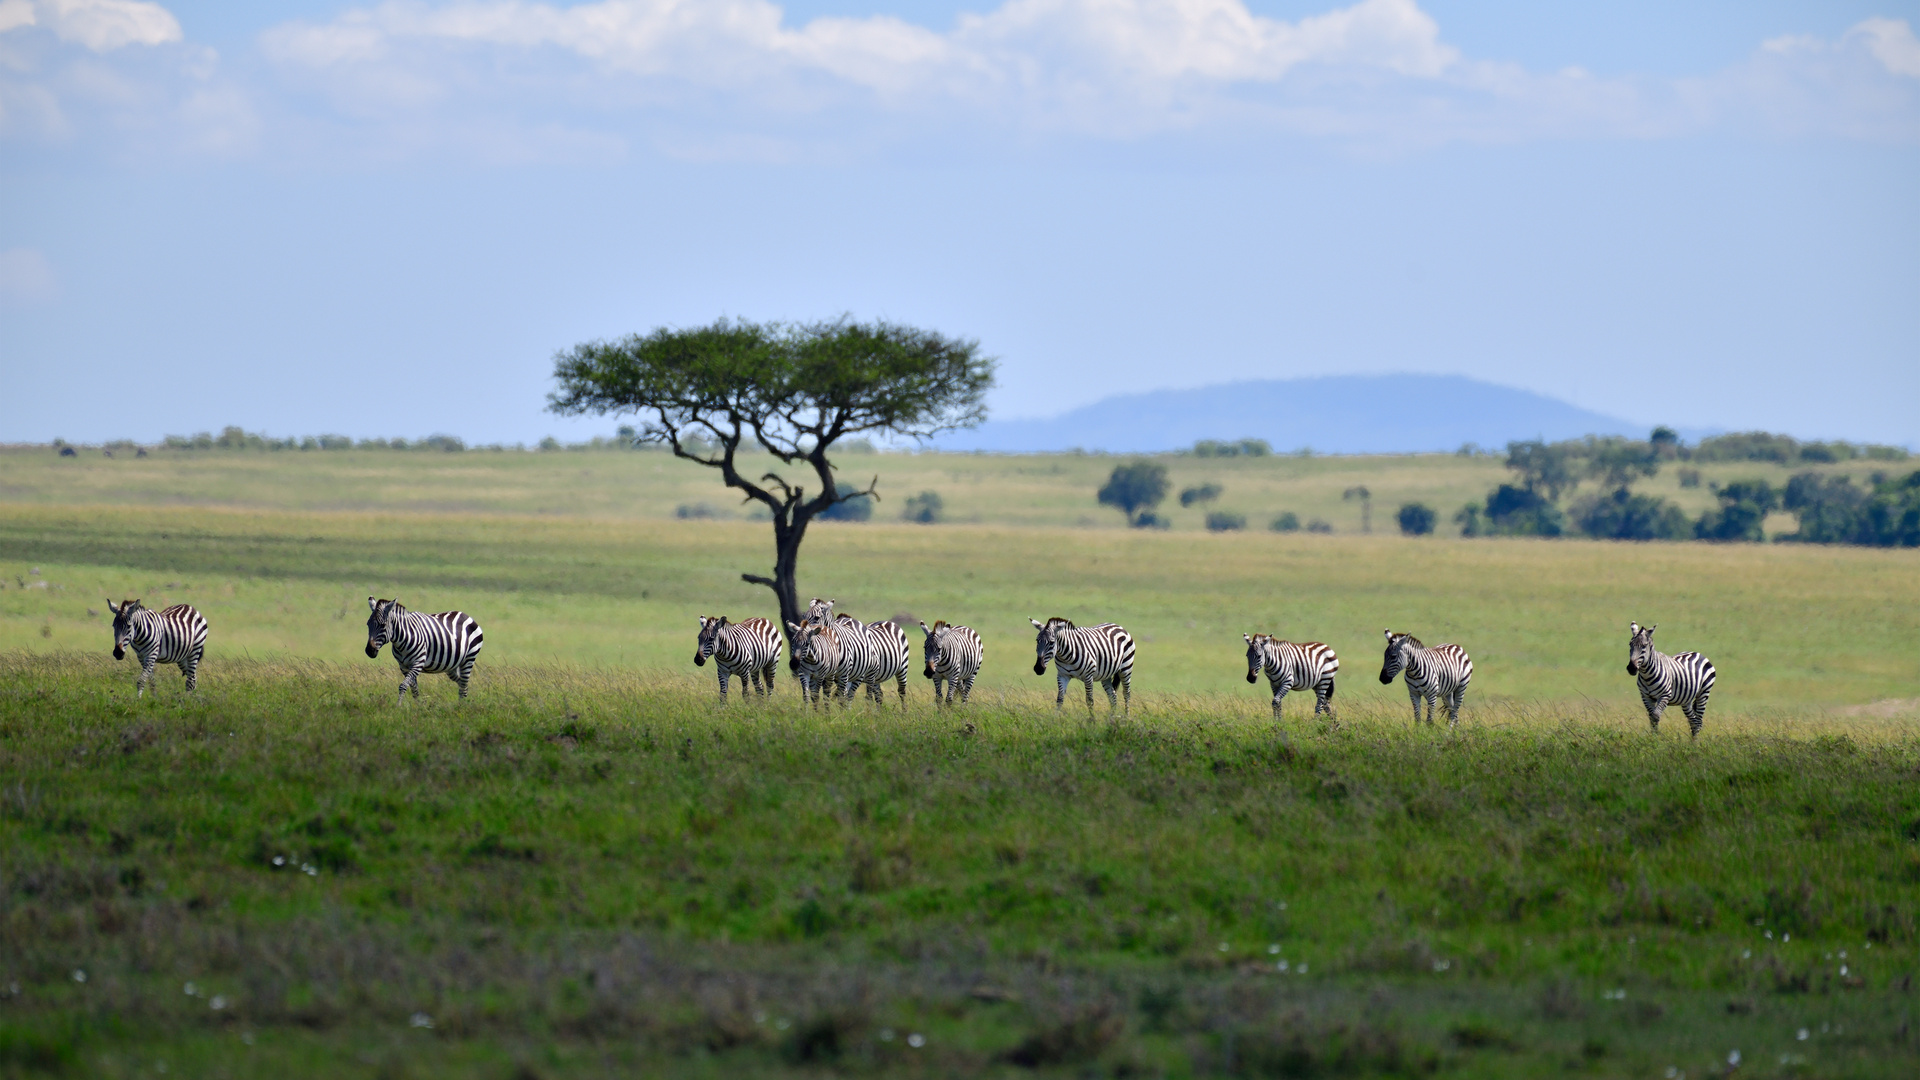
[1340, 414]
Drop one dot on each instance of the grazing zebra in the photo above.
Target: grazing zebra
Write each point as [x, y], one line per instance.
[1685, 679]
[818, 662]
[446, 641]
[175, 635]
[1102, 654]
[1441, 672]
[873, 653]
[749, 648]
[1293, 666]
[953, 655]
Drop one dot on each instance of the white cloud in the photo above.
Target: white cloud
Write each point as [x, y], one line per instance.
[100, 25]
[1891, 42]
[26, 276]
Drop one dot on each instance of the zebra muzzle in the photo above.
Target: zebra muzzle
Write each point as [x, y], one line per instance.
[1253, 676]
[119, 653]
[1039, 669]
[699, 661]
[372, 649]
[927, 672]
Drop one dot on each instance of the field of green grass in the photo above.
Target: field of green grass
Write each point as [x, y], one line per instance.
[591, 869]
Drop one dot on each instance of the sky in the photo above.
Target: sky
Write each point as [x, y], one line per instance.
[385, 219]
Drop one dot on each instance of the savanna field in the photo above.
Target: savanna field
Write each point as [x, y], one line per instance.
[590, 868]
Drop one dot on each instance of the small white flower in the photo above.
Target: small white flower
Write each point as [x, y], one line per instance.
[886, 1034]
[1223, 946]
[218, 1003]
[1746, 954]
[1281, 966]
[420, 1020]
[309, 869]
[191, 990]
[1302, 969]
[1843, 954]
[1769, 935]
[759, 1017]
[1442, 965]
[1273, 950]
[279, 860]
[781, 1023]
[1843, 969]
[1733, 1059]
[79, 975]
[1672, 1072]
[1801, 1034]
[1784, 938]
[916, 1040]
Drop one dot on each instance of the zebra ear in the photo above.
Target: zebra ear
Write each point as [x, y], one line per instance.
[1652, 628]
[1389, 634]
[1248, 637]
[924, 627]
[1036, 624]
[372, 604]
[111, 606]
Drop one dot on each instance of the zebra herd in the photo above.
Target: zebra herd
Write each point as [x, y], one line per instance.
[834, 655]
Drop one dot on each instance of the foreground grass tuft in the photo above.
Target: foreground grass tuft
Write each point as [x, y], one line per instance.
[580, 872]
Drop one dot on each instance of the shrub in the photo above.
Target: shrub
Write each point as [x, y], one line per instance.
[1468, 518]
[1689, 478]
[1225, 521]
[1203, 493]
[925, 508]
[1240, 448]
[1287, 521]
[1319, 525]
[1522, 511]
[1748, 446]
[695, 512]
[1833, 511]
[1135, 489]
[1416, 519]
[1620, 515]
[855, 505]
[1743, 506]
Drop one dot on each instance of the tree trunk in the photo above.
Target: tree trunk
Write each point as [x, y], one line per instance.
[786, 560]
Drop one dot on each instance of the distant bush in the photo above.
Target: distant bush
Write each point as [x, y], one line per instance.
[1135, 489]
[925, 508]
[1832, 510]
[1786, 450]
[854, 505]
[695, 511]
[1744, 505]
[1416, 519]
[1468, 518]
[1225, 521]
[1689, 478]
[1202, 493]
[1239, 448]
[1287, 521]
[1520, 511]
[1619, 515]
[1319, 525]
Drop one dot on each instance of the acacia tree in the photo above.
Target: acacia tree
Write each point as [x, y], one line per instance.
[785, 389]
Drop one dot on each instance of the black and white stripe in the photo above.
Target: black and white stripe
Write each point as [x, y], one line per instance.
[1102, 654]
[1293, 666]
[818, 662]
[174, 635]
[872, 654]
[749, 648]
[953, 655]
[446, 641]
[1685, 679]
[1440, 673]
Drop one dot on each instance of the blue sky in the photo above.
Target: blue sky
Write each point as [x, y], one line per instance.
[384, 219]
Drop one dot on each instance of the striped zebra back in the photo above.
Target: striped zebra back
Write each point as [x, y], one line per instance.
[817, 654]
[866, 652]
[737, 648]
[1094, 653]
[443, 641]
[171, 635]
[1442, 668]
[1300, 665]
[951, 651]
[1683, 677]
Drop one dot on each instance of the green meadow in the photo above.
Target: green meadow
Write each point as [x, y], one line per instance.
[591, 868]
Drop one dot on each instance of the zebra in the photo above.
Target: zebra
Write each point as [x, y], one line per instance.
[1293, 666]
[818, 662]
[749, 648]
[1685, 679]
[1102, 654]
[953, 655]
[174, 635]
[446, 641]
[1441, 672]
[871, 652]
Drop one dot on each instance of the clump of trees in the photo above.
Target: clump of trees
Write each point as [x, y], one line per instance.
[1416, 519]
[1134, 489]
[1235, 448]
[926, 508]
[1831, 509]
[1225, 521]
[1199, 493]
[1287, 521]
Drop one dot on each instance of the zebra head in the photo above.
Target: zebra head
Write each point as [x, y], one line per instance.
[1396, 655]
[122, 625]
[380, 623]
[1639, 646]
[819, 611]
[1256, 654]
[808, 640]
[710, 627]
[1046, 641]
[932, 647]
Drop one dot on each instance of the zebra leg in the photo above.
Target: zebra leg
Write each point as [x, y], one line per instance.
[1322, 703]
[1453, 706]
[769, 675]
[723, 683]
[464, 676]
[1060, 698]
[1654, 709]
[902, 679]
[1279, 697]
[190, 667]
[1113, 703]
[1126, 692]
[966, 690]
[1089, 685]
[1696, 711]
[145, 682]
[1414, 696]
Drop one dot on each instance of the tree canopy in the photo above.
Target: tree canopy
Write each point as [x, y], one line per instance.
[1135, 489]
[790, 390]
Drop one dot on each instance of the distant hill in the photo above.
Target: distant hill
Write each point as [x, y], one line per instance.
[1341, 414]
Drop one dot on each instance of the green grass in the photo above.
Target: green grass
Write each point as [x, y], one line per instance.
[581, 872]
[590, 869]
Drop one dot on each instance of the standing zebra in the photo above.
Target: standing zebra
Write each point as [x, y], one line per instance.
[817, 662]
[1102, 654]
[1685, 679]
[446, 641]
[1293, 666]
[871, 653]
[749, 648]
[175, 635]
[953, 655]
[1441, 672]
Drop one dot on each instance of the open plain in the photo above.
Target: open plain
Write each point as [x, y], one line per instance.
[591, 868]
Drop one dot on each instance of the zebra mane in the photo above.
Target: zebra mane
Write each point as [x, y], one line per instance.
[1058, 619]
[1409, 639]
[938, 625]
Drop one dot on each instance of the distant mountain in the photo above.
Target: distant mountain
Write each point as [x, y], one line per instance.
[1340, 414]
